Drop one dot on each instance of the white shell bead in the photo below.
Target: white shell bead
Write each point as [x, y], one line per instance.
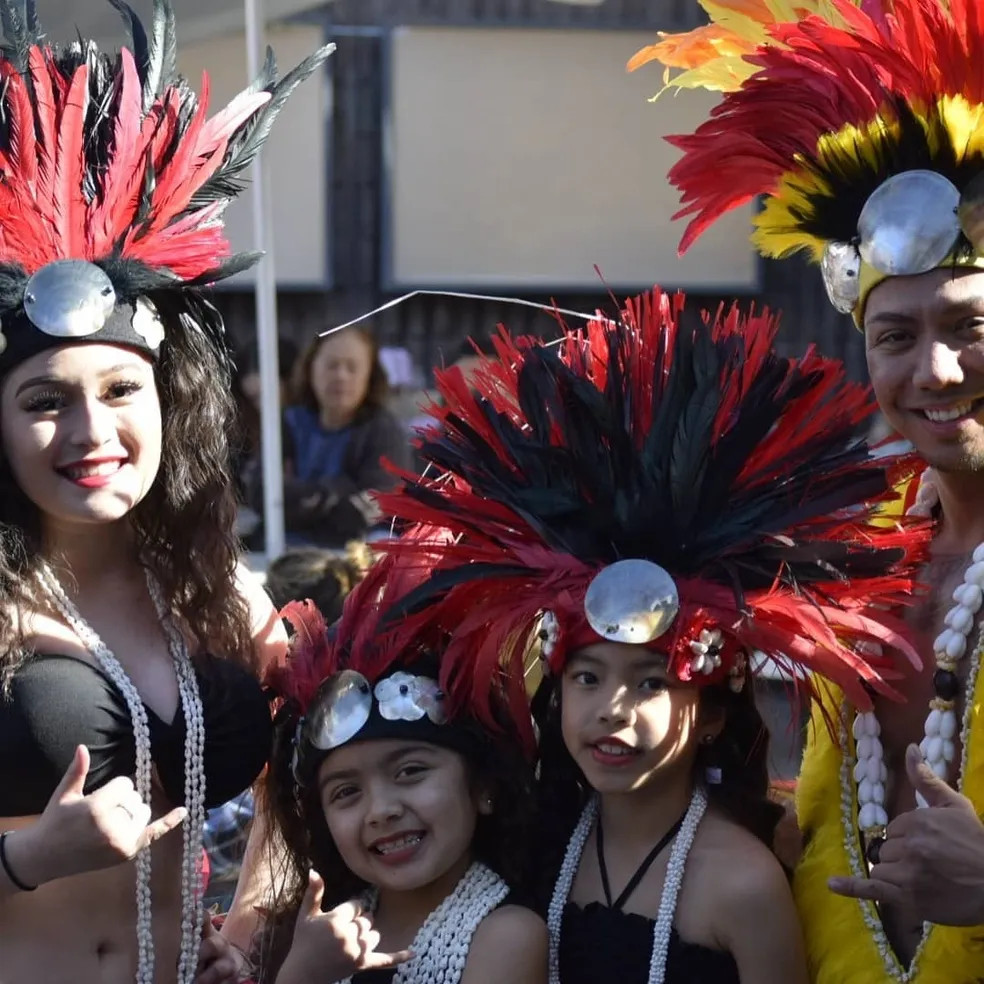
[878, 794]
[940, 768]
[949, 751]
[924, 746]
[979, 553]
[963, 619]
[881, 817]
[921, 800]
[957, 646]
[942, 641]
[882, 772]
[867, 817]
[934, 749]
[975, 573]
[933, 722]
[948, 725]
[865, 747]
[860, 769]
[873, 770]
[858, 728]
[872, 727]
[865, 788]
[971, 597]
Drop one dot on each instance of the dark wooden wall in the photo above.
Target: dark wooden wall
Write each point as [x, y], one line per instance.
[433, 328]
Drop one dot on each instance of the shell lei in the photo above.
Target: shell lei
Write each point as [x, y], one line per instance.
[843, 936]
[440, 948]
[663, 925]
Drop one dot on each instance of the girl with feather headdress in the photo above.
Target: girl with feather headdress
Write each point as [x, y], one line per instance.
[128, 643]
[657, 503]
[403, 818]
[862, 128]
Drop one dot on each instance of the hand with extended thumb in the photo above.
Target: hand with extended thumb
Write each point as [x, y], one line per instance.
[932, 861]
[79, 832]
[331, 946]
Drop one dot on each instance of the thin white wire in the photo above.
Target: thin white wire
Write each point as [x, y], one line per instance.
[546, 308]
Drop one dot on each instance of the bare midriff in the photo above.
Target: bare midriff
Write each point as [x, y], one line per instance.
[82, 929]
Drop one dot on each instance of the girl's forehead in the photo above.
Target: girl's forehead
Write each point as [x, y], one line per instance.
[620, 654]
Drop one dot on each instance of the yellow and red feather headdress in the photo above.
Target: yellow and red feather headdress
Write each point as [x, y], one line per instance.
[826, 104]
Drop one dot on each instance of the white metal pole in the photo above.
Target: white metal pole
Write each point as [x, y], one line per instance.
[266, 316]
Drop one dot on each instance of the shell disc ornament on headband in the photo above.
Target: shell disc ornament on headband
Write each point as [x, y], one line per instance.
[685, 489]
[859, 124]
[632, 601]
[365, 678]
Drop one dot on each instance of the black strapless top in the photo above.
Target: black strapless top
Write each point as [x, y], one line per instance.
[60, 702]
[599, 945]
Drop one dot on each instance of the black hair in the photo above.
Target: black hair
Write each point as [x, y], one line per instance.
[312, 573]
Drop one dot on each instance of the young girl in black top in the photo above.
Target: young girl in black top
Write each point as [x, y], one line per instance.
[400, 784]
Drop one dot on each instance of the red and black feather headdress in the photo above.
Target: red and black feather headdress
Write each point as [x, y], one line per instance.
[369, 677]
[699, 449]
[113, 180]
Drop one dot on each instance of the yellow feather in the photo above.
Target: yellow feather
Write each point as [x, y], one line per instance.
[713, 56]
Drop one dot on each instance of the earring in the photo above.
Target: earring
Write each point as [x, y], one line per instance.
[486, 805]
[707, 739]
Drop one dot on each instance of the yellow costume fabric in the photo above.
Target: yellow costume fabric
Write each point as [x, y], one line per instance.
[841, 948]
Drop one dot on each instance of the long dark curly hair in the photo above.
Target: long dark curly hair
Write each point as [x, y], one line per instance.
[299, 838]
[740, 752]
[184, 527]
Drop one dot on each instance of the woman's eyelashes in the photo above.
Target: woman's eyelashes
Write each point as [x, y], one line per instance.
[52, 400]
[45, 401]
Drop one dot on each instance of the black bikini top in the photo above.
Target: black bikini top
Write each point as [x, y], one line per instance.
[59, 702]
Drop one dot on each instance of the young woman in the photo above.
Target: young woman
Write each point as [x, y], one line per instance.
[656, 504]
[409, 812]
[128, 643]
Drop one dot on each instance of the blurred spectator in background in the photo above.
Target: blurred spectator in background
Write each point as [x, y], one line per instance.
[336, 430]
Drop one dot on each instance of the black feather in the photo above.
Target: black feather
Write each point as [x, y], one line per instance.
[162, 56]
[244, 147]
[139, 45]
[21, 30]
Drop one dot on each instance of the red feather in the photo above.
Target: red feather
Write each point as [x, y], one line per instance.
[69, 202]
[124, 175]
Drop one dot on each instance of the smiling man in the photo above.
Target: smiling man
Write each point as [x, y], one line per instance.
[863, 129]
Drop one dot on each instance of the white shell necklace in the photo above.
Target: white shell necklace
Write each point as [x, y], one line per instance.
[663, 926]
[191, 705]
[940, 729]
[440, 948]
